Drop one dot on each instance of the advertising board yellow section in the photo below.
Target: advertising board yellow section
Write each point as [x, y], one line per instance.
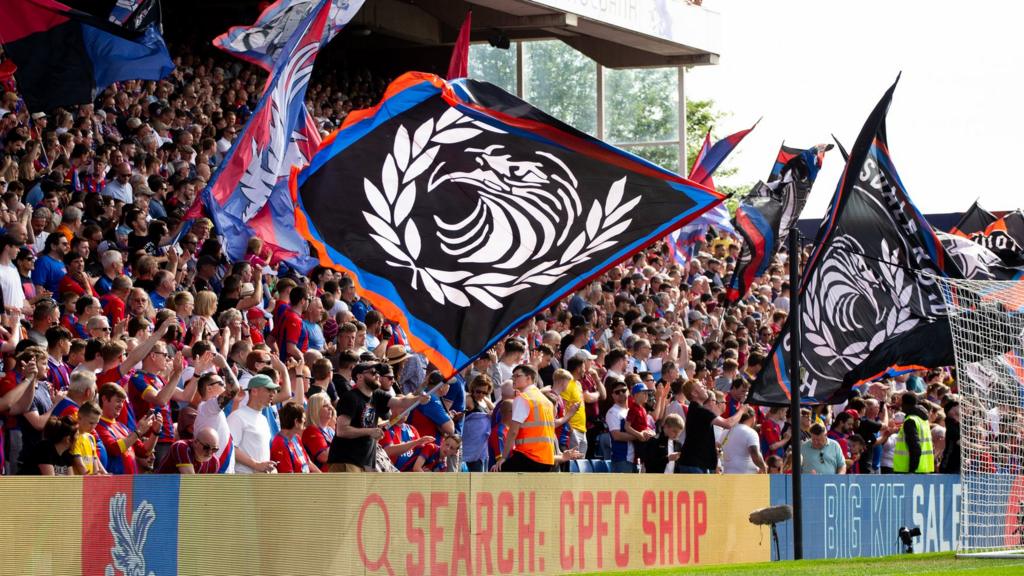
[471, 524]
[41, 525]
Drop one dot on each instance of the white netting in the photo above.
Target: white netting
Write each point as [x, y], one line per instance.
[987, 322]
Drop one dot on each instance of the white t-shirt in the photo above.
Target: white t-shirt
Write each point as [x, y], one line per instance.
[211, 415]
[614, 419]
[520, 409]
[670, 468]
[250, 433]
[10, 283]
[570, 351]
[504, 373]
[736, 451]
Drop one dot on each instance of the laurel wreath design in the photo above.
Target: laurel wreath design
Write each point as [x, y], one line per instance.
[847, 285]
[397, 234]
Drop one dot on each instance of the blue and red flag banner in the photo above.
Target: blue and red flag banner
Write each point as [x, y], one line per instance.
[767, 212]
[65, 57]
[711, 157]
[248, 195]
[866, 281]
[683, 242]
[460, 210]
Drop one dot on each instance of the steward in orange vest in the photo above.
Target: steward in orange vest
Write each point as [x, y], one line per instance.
[531, 434]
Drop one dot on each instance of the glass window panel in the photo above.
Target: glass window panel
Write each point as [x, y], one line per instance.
[493, 65]
[562, 82]
[641, 105]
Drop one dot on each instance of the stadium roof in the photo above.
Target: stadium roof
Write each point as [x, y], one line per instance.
[615, 33]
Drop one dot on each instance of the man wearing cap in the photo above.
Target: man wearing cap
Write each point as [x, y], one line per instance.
[532, 429]
[358, 426]
[250, 431]
[636, 418]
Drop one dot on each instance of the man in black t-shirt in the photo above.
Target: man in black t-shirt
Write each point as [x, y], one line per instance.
[358, 425]
[700, 453]
[873, 418]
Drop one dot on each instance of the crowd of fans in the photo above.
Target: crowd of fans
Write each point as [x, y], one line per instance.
[131, 348]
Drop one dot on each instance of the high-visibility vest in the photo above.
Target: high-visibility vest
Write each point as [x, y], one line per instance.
[901, 459]
[536, 437]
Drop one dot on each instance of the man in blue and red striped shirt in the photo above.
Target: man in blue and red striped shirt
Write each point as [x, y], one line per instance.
[148, 391]
[125, 446]
[58, 345]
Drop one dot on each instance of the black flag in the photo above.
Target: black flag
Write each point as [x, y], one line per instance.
[867, 280]
[930, 345]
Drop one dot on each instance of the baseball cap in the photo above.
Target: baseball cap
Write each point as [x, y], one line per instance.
[38, 115]
[585, 355]
[694, 315]
[638, 388]
[363, 367]
[262, 381]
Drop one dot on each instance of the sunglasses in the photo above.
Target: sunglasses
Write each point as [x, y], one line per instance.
[617, 392]
[207, 447]
[821, 457]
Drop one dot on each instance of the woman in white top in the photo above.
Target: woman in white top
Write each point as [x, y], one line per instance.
[741, 449]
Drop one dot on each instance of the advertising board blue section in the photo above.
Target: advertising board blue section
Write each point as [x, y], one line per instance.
[860, 515]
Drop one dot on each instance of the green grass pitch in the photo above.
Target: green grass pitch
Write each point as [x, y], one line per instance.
[942, 563]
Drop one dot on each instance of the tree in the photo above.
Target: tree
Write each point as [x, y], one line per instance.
[640, 104]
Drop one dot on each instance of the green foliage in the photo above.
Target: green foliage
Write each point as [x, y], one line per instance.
[493, 65]
[561, 82]
[640, 105]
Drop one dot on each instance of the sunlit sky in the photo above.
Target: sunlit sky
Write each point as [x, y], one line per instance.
[813, 67]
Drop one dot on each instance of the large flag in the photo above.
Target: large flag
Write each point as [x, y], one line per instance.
[460, 210]
[65, 57]
[766, 213]
[248, 195]
[930, 344]
[867, 280]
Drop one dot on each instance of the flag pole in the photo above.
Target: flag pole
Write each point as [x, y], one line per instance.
[794, 387]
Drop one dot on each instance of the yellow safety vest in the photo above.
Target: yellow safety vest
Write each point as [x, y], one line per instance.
[901, 459]
[536, 437]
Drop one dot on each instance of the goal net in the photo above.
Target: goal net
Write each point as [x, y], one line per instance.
[987, 323]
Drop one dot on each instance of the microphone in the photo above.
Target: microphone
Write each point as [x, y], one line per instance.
[771, 515]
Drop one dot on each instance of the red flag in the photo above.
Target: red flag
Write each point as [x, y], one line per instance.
[459, 65]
